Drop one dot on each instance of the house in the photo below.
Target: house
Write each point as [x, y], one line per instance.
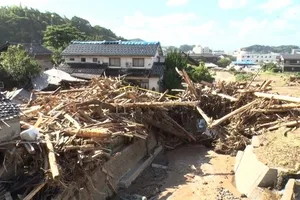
[290, 62]
[40, 53]
[142, 62]
[9, 119]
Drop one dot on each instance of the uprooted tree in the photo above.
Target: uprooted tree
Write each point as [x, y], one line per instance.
[17, 66]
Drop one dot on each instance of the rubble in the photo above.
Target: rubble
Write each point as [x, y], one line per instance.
[78, 127]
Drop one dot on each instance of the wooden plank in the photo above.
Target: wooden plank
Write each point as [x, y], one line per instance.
[52, 158]
[277, 97]
[239, 110]
[72, 120]
[205, 117]
[35, 191]
[156, 104]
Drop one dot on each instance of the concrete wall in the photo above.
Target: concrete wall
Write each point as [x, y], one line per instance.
[147, 64]
[113, 171]
[9, 132]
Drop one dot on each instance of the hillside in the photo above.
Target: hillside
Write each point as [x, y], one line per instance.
[268, 49]
[22, 24]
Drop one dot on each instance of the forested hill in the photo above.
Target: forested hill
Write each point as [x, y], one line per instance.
[268, 49]
[22, 24]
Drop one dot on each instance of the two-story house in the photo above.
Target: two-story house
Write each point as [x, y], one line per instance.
[290, 62]
[141, 62]
[40, 53]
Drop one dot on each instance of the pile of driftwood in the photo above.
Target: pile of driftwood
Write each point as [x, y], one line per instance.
[80, 128]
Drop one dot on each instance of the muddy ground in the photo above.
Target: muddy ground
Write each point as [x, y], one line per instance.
[194, 172]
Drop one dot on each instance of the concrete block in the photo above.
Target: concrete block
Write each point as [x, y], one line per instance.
[288, 193]
[238, 159]
[126, 181]
[255, 141]
[124, 161]
[252, 173]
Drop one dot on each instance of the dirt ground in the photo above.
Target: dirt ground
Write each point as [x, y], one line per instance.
[278, 150]
[279, 84]
[194, 172]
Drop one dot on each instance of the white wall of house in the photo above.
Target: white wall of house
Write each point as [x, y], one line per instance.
[151, 82]
[125, 61]
[256, 57]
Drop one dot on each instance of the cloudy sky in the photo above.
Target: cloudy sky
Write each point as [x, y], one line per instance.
[219, 24]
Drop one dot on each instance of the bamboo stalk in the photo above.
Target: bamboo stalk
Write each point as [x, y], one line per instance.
[89, 132]
[35, 191]
[292, 123]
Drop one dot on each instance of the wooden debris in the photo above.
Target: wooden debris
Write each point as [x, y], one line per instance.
[52, 158]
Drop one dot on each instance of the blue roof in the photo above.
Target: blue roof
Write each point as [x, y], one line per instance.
[243, 63]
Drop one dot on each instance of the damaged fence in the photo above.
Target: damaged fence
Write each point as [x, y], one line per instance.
[68, 134]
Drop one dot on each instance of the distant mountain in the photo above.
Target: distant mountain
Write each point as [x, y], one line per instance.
[22, 24]
[268, 49]
[137, 39]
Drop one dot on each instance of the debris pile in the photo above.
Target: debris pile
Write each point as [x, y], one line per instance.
[71, 133]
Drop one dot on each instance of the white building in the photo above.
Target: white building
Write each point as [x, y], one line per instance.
[141, 62]
[201, 50]
[244, 56]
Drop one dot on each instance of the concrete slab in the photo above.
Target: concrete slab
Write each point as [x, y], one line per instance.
[288, 193]
[255, 141]
[252, 173]
[238, 159]
[126, 181]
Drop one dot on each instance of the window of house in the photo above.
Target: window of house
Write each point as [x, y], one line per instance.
[257, 56]
[266, 56]
[298, 61]
[270, 56]
[243, 56]
[115, 62]
[261, 56]
[256, 61]
[248, 56]
[138, 62]
[287, 61]
[267, 60]
[95, 59]
[83, 59]
[72, 59]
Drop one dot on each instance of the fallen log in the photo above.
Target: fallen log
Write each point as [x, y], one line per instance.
[155, 104]
[89, 132]
[292, 123]
[52, 158]
[239, 110]
[277, 97]
[205, 117]
[225, 96]
[61, 91]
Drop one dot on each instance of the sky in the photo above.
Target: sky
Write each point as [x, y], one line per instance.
[219, 24]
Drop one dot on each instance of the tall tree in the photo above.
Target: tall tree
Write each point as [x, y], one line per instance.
[223, 62]
[171, 78]
[18, 65]
[60, 36]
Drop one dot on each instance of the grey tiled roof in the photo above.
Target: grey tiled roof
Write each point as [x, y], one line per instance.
[31, 48]
[7, 108]
[83, 70]
[291, 56]
[112, 49]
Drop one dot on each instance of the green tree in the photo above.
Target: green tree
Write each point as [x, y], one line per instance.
[60, 36]
[174, 60]
[172, 80]
[223, 62]
[18, 65]
[200, 73]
